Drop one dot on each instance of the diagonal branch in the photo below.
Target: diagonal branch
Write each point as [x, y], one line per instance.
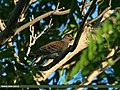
[98, 71]
[10, 30]
[80, 31]
[82, 26]
[67, 55]
[4, 36]
[56, 12]
[82, 44]
[99, 16]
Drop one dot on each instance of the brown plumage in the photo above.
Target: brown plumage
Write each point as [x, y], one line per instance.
[54, 48]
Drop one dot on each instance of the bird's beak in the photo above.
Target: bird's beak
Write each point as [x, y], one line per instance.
[71, 39]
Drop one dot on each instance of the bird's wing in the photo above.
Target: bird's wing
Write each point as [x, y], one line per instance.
[53, 47]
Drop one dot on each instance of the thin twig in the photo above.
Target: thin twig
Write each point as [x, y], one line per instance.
[32, 41]
[82, 44]
[9, 30]
[82, 26]
[35, 37]
[97, 72]
[68, 65]
[99, 16]
[67, 54]
[36, 20]
[58, 6]
[83, 7]
[49, 25]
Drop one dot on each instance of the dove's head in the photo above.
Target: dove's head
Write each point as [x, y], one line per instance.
[68, 37]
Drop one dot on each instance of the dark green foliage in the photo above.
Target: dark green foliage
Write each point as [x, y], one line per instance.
[107, 38]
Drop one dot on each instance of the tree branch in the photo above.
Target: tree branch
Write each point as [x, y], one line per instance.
[98, 71]
[82, 44]
[80, 30]
[57, 12]
[4, 36]
[9, 30]
[67, 55]
[99, 16]
[82, 26]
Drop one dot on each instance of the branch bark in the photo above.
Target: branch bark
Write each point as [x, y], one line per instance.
[10, 30]
[10, 33]
[98, 71]
[67, 55]
[82, 44]
[70, 49]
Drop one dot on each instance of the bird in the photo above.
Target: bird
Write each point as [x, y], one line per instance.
[55, 48]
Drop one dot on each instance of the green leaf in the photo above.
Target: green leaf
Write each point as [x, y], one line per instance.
[110, 61]
[99, 35]
[72, 25]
